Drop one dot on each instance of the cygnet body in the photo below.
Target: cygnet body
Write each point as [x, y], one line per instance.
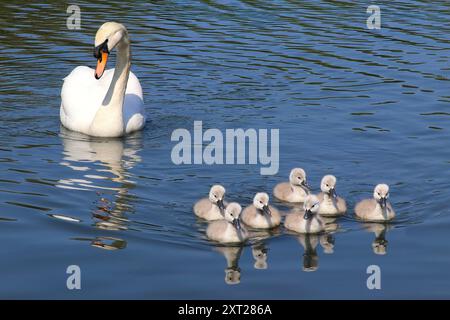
[330, 203]
[378, 208]
[295, 190]
[228, 230]
[308, 220]
[261, 215]
[211, 208]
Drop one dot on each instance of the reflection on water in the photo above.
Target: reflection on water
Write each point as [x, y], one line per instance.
[260, 252]
[100, 159]
[232, 256]
[103, 160]
[309, 243]
[379, 244]
[327, 243]
[106, 243]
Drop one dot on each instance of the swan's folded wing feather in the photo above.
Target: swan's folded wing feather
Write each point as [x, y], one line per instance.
[81, 96]
[133, 111]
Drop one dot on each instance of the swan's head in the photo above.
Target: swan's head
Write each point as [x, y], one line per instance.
[216, 195]
[232, 213]
[297, 177]
[328, 185]
[261, 202]
[311, 206]
[381, 194]
[108, 36]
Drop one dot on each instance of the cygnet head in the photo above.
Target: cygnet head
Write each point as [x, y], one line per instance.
[261, 202]
[108, 36]
[297, 177]
[328, 185]
[381, 194]
[311, 206]
[232, 213]
[216, 195]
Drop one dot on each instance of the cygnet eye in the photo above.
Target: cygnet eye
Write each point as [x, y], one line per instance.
[327, 185]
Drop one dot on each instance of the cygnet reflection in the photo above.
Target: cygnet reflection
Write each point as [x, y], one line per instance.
[232, 270]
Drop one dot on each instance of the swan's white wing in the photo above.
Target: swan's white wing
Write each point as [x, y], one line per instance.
[82, 95]
[133, 105]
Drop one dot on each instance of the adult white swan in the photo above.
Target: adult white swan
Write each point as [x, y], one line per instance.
[108, 106]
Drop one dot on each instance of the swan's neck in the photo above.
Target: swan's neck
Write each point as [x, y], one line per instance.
[108, 120]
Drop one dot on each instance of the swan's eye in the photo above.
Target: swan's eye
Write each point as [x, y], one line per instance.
[101, 48]
[327, 185]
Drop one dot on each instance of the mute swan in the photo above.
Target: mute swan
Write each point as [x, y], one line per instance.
[378, 208]
[211, 208]
[295, 190]
[261, 215]
[104, 103]
[228, 230]
[330, 203]
[308, 220]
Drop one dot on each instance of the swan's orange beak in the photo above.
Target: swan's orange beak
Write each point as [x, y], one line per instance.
[101, 64]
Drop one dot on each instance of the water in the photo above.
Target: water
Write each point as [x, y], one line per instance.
[367, 106]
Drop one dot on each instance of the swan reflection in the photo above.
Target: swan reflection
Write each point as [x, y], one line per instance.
[309, 243]
[327, 243]
[105, 243]
[232, 256]
[98, 161]
[379, 244]
[102, 165]
[259, 252]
